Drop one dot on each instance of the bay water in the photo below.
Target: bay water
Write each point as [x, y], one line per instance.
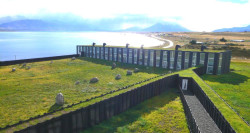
[25, 45]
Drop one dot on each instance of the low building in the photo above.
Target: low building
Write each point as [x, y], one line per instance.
[237, 40]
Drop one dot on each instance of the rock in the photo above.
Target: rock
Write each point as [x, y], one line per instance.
[59, 99]
[136, 70]
[24, 65]
[51, 62]
[118, 76]
[113, 66]
[169, 72]
[13, 69]
[129, 72]
[73, 58]
[94, 80]
[28, 67]
[77, 83]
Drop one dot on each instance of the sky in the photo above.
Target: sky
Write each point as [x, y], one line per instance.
[196, 15]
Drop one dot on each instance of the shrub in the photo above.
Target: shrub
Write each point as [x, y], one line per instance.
[223, 39]
[193, 42]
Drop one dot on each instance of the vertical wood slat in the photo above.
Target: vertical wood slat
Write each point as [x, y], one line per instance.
[161, 58]
[206, 61]
[198, 58]
[175, 59]
[128, 55]
[113, 59]
[108, 53]
[122, 55]
[138, 56]
[133, 56]
[154, 59]
[216, 63]
[182, 59]
[190, 59]
[168, 60]
[148, 61]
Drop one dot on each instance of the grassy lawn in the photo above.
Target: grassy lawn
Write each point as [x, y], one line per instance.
[235, 121]
[163, 113]
[27, 93]
[234, 87]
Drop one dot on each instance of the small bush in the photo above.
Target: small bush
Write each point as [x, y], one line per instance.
[223, 39]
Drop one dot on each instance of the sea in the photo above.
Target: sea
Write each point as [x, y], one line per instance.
[26, 45]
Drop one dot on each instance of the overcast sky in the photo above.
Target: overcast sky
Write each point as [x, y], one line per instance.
[197, 15]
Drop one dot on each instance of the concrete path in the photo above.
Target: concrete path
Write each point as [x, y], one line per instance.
[204, 121]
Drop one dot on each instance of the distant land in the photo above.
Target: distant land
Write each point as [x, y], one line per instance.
[234, 29]
[69, 22]
[74, 23]
[166, 27]
[40, 25]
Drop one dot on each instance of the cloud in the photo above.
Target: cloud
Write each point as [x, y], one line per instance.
[198, 15]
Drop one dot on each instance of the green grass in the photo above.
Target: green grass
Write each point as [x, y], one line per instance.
[234, 87]
[28, 93]
[235, 121]
[163, 113]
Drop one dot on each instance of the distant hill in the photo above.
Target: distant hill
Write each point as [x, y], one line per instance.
[234, 29]
[167, 27]
[81, 25]
[10, 19]
[40, 25]
[27, 24]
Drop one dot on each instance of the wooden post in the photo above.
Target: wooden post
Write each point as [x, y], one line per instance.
[175, 59]
[133, 56]
[168, 60]
[216, 63]
[198, 58]
[108, 53]
[182, 59]
[154, 59]
[206, 61]
[161, 58]
[122, 55]
[190, 59]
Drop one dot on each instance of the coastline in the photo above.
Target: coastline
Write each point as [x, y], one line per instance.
[54, 46]
[170, 43]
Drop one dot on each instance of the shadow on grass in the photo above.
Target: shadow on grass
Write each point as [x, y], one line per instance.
[133, 114]
[145, 69]
[54, 107]
[229, 78]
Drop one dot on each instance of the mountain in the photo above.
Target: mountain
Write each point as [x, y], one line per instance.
[234, 29]
[40, 25]
[166, 27]
[10, 19]
[75, 23]
[27, 24]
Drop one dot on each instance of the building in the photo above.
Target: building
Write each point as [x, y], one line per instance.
[237, 40]
[213, 62]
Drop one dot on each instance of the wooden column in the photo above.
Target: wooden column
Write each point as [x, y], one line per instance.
[161, 59]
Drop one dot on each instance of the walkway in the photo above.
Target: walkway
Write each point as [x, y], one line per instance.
[204, 121]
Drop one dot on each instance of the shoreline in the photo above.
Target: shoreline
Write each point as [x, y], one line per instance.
[170, 43]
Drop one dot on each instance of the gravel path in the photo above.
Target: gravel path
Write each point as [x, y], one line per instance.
[204, 121]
